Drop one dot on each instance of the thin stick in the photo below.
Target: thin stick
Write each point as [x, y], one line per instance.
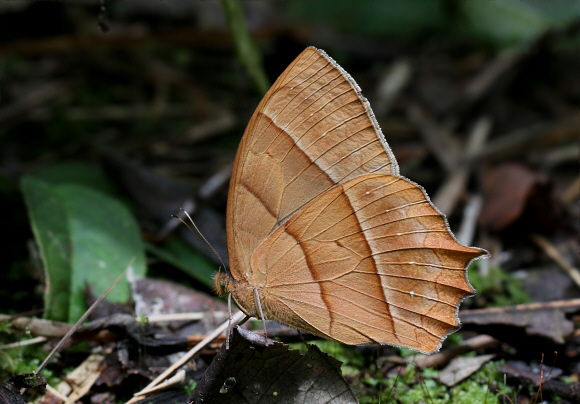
[553, 253]
[469, 221]
[30, 341]
[539, 392]
[193, 316]
[449, 193]
[82, 319]
[51, 390]
[176, 379]
[185, 358]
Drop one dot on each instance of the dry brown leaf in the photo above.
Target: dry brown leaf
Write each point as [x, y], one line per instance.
[461, 368]
[516, 324]
[507, 191]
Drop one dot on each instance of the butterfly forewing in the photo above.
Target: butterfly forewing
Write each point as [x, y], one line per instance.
[312, 130]
[368, 261]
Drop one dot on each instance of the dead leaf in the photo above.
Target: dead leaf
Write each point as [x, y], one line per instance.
[78, 382]
[517, 324]
[536, 374]
[461, 368]
[273, 374]
[507, 192]
[156, 296]
[541, 377]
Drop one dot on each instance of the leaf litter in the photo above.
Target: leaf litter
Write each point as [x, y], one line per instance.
[523, 168]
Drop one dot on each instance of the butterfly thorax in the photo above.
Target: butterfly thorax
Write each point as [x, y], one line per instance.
[242, 291]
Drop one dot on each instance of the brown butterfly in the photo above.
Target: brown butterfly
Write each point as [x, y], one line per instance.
[324, 235]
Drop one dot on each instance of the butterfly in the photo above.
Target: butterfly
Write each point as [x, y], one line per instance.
[323, 233]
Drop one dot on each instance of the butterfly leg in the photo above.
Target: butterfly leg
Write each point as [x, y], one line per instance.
[229, 329]
[228, 333]
[259, 304]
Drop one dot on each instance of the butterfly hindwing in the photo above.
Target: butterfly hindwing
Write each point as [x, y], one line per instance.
[370, 260]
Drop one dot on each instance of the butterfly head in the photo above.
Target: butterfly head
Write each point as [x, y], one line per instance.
[220, 283]
[242, 293]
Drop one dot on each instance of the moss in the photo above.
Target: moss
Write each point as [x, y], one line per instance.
[190, 387]
[23, 360]
[497, 288]
[412, 385]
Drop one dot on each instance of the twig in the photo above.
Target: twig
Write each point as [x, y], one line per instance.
[46, 329]
[124, 113]
[194, 316]
[442, 144]
[83, 317]
[84, 376]
[31, 341]
[71, 44]
[469, 221]
[553, 253]
[177, 378]
[491, 74]
[55, 393]
[572, 304]
[390, 86]
[85, 387]
[185, 358]
[548, 159]
[448, 194]
[220, 121]
[215, 182]
[206, 191]
[521, 140]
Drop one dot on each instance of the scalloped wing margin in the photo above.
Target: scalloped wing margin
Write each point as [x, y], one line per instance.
[370, 260]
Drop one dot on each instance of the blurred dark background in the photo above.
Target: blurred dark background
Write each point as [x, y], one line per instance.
[478, 100]
[142, 103]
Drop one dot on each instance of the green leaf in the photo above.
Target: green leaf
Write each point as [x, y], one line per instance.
[50, 228]
[247, 51]
[506, 22]
[84, 237]
[105, 239]
[372, 18]
[180, 255]
[501, 23]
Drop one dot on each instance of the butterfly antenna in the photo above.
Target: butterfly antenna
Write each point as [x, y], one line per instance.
[199, 234]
